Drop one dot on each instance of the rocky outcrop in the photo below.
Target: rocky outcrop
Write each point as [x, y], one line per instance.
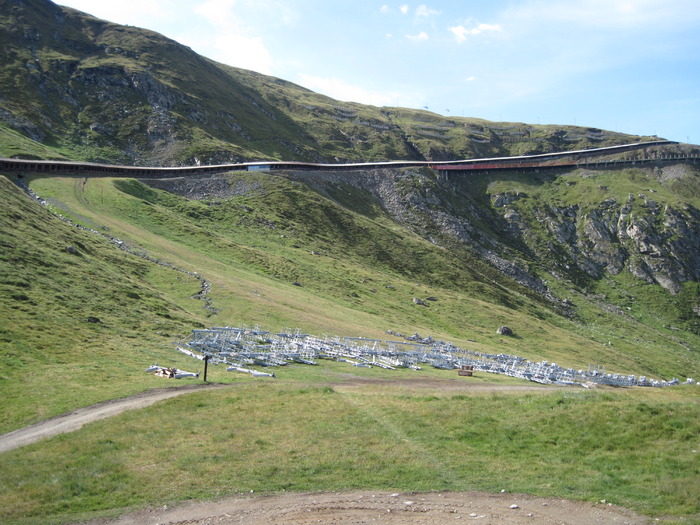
[659, 244]
[518, 236]
[443, 213]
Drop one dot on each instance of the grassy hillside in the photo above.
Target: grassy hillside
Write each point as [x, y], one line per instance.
[103, 280]
[55, 280]
[87, 89]
[280, 255]
[328, 259]
[635, 449]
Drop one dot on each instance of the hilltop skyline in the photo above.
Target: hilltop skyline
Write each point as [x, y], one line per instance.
[627, 66]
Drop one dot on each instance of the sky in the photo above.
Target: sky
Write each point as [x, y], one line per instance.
[631, 66]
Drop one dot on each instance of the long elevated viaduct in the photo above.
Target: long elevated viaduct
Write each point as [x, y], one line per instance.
[585, 157]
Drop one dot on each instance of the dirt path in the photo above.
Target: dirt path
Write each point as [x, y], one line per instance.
[354, 508]
[82, 416]
[74, 420]
[346, 508]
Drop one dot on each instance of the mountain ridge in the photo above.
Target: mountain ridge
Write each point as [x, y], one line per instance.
[89, 89]
[105, 272]
[86, 89]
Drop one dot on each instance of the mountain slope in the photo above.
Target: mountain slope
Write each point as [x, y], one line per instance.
[592, 265]
[346, 253]
[73, 310]
[88, 89]
[338, 253]
[102, 276]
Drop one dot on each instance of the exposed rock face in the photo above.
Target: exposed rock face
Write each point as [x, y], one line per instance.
[655, 243]
[659, 244]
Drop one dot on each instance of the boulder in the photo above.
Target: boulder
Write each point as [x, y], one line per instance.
[504, 330]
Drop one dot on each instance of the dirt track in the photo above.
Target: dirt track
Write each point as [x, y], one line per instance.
[354, 508]
[82, 416]
[338, 508]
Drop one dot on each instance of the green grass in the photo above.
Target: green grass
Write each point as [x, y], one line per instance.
[636, 448]
[53, 358]
[358, 271]
[15, 145]
[318, 254]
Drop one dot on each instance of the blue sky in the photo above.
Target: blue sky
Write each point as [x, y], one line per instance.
[623, 65]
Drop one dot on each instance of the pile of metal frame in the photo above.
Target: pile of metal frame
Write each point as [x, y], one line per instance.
[241, 348]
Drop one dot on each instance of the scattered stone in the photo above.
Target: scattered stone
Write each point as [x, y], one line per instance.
[72, 250]
[504, 330]
[514, 506]
[419, 302]
[93, 320]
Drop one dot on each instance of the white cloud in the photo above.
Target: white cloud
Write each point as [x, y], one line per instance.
[586, 37]
[131, 12]
[422, 36]
[341, 90]
[609, 14]
[212, 28]
[461, 33]
[424, 10]
[216, 12]
[404, 9]
[230, 41]
[548, 48]
[385, 9]
[241, 51]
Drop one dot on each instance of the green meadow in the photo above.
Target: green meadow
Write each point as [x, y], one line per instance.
[313, 429]
[83, 318]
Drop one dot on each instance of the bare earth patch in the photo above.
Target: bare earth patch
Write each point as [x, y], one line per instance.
[384, 508]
